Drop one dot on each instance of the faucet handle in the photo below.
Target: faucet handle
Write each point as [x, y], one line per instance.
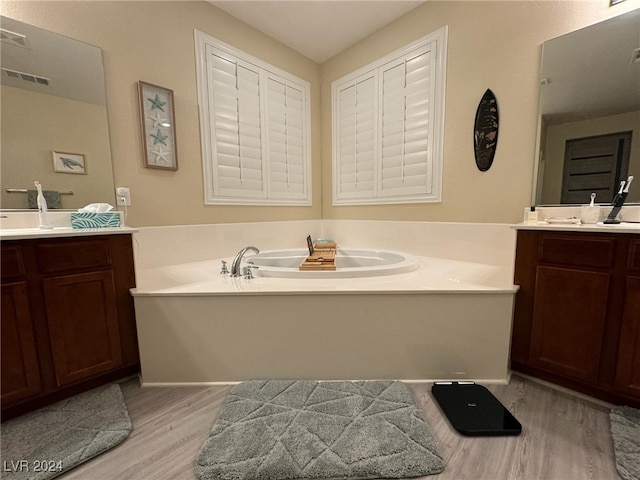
[224, 270]
[249, 272]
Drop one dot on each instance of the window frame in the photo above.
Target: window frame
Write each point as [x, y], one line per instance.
[205, 45]
[377, 196]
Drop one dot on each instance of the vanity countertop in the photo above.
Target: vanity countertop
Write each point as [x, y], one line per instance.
[31, 233]
[581, 227]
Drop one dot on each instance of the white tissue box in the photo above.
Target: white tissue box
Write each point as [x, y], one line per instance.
[95, 220]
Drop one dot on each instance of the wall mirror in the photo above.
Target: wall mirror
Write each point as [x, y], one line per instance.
[589, 113]
[54, 119]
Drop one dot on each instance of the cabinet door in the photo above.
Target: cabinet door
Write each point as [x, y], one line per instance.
[569, 314]
[20, 368]
[628, 371]
[83, 325]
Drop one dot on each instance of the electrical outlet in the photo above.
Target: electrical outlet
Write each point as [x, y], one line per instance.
[123, 196]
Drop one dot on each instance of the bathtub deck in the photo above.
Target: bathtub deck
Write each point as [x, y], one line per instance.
[434, 276]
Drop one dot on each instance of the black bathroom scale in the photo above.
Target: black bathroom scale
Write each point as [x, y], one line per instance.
[473, 410]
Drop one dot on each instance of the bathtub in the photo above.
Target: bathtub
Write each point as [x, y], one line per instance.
[350, 263]
[439, 319]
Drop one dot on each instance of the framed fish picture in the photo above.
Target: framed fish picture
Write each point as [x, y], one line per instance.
[158, 126]
[64, 162]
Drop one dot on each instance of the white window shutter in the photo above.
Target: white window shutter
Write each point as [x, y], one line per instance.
[286, 140]
[407, 125]
[238, 169]
[255, 128]
[388, 127]
[356, 148]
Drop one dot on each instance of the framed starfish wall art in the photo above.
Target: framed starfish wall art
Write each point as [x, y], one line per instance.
[158, 126]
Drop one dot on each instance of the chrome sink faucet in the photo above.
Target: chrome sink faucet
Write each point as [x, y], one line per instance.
[237, 260]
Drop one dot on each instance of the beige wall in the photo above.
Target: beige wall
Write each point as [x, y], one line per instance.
[154, 42]
[491, 45]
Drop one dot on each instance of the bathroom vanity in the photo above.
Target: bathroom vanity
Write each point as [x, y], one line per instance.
[68, 321]
[577, 313]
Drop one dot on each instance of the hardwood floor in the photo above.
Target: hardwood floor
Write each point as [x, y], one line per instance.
[564, 437]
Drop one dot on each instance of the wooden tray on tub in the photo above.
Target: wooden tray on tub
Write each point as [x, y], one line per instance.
[322, 258]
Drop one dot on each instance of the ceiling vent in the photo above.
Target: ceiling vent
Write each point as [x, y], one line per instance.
[13, 38]
[26, 77]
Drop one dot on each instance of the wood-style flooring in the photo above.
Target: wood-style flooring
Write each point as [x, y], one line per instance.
[564, 437]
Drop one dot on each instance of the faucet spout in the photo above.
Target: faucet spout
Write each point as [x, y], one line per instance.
[237, 260]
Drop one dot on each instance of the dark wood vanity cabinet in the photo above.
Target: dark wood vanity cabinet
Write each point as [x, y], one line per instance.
[68, 321]
[627, 378]
[577, 313]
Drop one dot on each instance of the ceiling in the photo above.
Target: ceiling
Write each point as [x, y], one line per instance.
[318, 29]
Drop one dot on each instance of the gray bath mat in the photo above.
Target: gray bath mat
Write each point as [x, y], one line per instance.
[281, 430]
[43, 444]
[625, 429]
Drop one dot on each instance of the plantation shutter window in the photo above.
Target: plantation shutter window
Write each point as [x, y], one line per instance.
[406, 126]
[254, 129]
[286, 139]
[356, 149]
[388, 127]
[239, 168]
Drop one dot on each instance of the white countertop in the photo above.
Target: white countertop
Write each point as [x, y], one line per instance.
[433, 276]
[581, 227]
[32, 233]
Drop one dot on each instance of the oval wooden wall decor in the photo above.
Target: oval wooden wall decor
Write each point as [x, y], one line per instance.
[485, 131]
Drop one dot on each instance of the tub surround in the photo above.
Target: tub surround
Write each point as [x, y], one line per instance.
[186, 260]
[451, 318]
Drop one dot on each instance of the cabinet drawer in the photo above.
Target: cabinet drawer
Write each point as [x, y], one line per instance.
[634, 254]
[58, 256]
[12, 262]
[595, 252]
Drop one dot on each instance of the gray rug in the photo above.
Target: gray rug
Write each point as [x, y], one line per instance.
[281, 430]
[625, 429]
[43, 444]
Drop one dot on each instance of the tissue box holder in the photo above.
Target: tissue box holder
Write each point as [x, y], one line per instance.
[95, 220]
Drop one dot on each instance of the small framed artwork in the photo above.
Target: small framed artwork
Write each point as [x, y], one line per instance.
[158, 127]
[64, 162]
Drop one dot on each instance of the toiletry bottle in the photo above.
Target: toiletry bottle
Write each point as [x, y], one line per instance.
[532, 215]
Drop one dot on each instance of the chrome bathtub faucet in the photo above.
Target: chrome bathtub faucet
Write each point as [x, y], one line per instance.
[236, 271]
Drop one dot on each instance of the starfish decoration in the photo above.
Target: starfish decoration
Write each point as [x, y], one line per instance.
[161, 155]
[158, 137]
[157, 119]
[157, 103]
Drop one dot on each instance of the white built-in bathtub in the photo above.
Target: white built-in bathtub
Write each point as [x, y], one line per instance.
[350, 263]
[441, 318]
